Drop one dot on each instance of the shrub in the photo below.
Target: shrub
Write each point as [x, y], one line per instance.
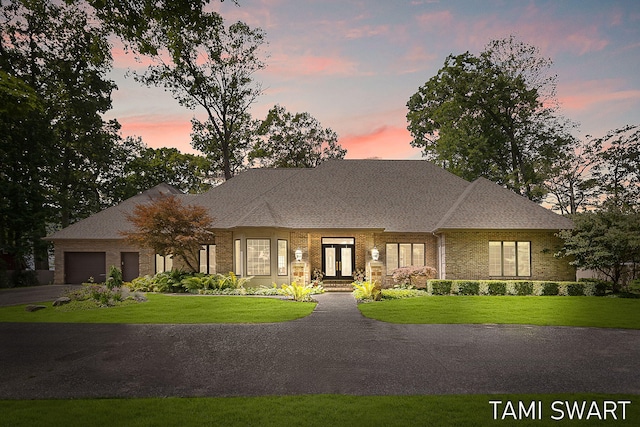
[550, 288]
[142, 284]
[367, 291]
[398, 293]
[21, 278]
[92, 295]
[408, 275]
[576, 289]
[497, 288]
[466, 287]
[169, 281]
[523, 288]
[114, 278]
[441, 287]
[297, 292]
[600, 286]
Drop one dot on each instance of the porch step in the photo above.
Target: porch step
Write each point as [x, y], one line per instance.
[337, 286]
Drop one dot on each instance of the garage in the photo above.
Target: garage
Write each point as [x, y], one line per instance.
[80, 266]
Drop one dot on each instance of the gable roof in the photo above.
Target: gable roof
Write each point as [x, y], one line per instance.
[389, 195]
[109, 223]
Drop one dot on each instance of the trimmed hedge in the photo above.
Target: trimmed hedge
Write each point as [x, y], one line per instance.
[515, 287]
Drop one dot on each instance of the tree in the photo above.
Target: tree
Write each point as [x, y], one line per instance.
[23, 145]
[616, 157]
[169, 227]
[570, 185]
[143, 167]
[62, 56]
[492, 115]
[607, 241]
[199, 60]
[294, 141]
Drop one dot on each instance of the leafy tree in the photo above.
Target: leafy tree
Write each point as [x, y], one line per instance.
[62, 56]
[23, 144]
[607, 241]
[492, 115]
[169, 227]
[294, 141]
[144, 167]
[199, 60]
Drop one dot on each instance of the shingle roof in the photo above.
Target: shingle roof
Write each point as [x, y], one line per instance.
[485, 205]
[389, 195]
[108, 224]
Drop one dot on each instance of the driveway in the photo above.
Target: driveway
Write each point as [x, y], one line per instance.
[334, 350]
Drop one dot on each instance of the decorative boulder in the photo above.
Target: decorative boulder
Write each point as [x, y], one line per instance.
[61, 301]
[31, 308]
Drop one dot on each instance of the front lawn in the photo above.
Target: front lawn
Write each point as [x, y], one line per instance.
[316, 410]
[557, 311]
[172, 309]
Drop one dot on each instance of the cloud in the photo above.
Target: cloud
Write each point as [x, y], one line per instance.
[159, 131]
[285, 65]
[592, 94]
[386, 142]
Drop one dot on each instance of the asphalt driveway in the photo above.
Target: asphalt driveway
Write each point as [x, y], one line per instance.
[334, 350]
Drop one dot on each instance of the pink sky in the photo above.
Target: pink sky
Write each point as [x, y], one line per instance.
[353, 65]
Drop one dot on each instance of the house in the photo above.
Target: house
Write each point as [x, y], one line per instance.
[411, 211]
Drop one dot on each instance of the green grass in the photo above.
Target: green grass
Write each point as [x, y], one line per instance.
[172, 309]
[558, 311]
[306, 410]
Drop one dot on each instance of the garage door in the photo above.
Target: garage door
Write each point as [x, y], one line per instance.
[80, 266]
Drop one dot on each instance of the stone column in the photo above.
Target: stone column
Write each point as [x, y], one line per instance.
[298, 272]
[375, 272]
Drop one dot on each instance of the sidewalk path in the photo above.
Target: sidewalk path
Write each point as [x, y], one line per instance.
[334, 350]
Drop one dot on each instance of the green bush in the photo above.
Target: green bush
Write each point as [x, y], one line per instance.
[399, 293]
[497, 288]
[550, 288]
[523, 288]
[21, 278]
[297, 292]
[114, 278]
[600, 286]
[468, 287]
[576, 289]
[441, 287]
[366, 291]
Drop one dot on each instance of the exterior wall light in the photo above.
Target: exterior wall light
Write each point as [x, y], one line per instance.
[298, 254]
[375, 253]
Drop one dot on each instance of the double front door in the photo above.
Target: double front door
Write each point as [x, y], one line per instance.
[338, 258]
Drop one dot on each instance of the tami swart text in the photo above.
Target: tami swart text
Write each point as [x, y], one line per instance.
[560, 410]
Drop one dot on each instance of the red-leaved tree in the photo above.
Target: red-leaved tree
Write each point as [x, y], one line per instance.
[169, 227]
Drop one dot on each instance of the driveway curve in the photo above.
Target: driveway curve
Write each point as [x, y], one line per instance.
[334, 350]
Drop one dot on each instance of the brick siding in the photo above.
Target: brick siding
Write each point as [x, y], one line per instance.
[467, 255]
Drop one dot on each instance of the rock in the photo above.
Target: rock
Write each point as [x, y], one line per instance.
[61, 301]
[32, 308]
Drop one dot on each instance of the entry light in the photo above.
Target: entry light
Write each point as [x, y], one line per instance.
[375, 253]
[298, 254]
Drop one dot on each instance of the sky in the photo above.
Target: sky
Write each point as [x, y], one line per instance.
[354, 64]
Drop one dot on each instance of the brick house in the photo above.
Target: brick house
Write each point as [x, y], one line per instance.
[411, 211]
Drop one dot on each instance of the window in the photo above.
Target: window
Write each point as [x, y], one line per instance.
[258, 257]
[283, 255]
[404, 255]
[208, 259]
[509, 258]
[163, 263]
[237, 257]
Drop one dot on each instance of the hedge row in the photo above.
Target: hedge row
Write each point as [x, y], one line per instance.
[514, 287]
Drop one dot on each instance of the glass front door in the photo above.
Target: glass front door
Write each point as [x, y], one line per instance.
[338, 258]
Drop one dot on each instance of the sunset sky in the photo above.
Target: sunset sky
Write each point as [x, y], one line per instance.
[354, 64]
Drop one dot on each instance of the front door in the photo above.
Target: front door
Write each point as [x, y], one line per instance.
[338, 258]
